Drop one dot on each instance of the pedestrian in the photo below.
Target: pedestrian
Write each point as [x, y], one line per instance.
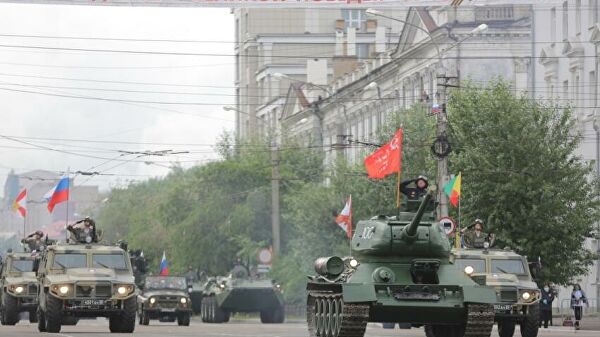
[546, 305]
[578, 299]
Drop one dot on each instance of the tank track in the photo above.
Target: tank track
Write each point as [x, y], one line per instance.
[351, 323]
[480, 320]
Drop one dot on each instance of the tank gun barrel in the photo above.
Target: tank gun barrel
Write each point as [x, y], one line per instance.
[411, 229]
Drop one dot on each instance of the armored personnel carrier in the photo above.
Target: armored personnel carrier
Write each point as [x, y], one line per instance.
[241, 293]
[400, 272]
[86, 280]
[166, 299]
[19, 288]
[517, 294]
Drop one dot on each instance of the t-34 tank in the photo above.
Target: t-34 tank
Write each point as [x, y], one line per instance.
[399, 272]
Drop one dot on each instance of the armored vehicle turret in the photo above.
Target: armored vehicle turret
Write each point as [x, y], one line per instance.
[400, 271]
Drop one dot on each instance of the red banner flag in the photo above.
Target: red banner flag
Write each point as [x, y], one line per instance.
[387, 159]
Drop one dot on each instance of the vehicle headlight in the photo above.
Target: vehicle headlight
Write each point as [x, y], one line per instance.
[353, 263]
[469, 270]
[222, 285]
[19, 289]
[63, 290]
[526, 296]
[183, 300]
[122, 290]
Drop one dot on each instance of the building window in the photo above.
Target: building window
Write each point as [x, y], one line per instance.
[354, 18]
[578, 16]
[565, 23]
[362, 50]
[553, 25]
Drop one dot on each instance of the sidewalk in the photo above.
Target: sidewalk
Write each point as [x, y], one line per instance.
[587, 323]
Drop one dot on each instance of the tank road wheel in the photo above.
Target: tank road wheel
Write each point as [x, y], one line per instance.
[506, 328]
[41, 320]
[53, 314]
[480, 320]
[328, 316]
[531, 323]
[10, 310]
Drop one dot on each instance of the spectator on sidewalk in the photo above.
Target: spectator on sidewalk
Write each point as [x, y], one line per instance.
[578, 299]
[548, 296]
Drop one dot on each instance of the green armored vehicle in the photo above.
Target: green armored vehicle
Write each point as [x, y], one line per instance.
[165, 298]
[517, 294]
[86, 280]
[400, 272]
[241, 293]
[19, 288]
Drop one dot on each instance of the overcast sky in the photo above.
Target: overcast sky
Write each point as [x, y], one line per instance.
[30, 114]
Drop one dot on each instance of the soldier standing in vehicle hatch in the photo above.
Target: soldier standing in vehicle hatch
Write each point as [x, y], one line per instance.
[34, 241]
[476, 237]
[85, 233]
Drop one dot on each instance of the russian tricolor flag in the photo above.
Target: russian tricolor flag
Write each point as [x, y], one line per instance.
[164, 266]
[58, 194]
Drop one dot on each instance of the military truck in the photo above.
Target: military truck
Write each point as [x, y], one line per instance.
[165, 298]
[508, 273]
[19, 288]
[239, 292]
[86, 280]
[399, 272]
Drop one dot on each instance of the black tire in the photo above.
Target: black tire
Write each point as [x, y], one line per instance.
[531, 324]
[33, 317]
[184, 319]
[506, 328]
[41, 320]
[226, 317]
[124, 322]
[145, 318]
[70, 320]
[266, 316]
[219, 313]
[389, 325]
[53, 314]
[10, 310]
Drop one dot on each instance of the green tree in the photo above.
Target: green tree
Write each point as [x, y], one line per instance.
[521, 172]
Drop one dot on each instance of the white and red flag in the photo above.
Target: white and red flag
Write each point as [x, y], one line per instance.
[20, 203]
[344, 220]
[387, 159]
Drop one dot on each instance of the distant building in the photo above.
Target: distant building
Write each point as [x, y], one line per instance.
[305, 45]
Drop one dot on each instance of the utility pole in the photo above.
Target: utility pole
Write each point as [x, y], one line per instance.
[442, 145]
[275, 217]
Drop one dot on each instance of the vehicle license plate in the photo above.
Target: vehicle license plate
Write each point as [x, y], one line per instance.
[93, 302]
[502, 307]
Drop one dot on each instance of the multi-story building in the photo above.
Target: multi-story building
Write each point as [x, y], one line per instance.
[566, 39]
[277, 47]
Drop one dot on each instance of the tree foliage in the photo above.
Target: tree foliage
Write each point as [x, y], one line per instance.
[521, 172]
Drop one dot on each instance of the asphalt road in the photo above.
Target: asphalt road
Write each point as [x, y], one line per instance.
[248, 328]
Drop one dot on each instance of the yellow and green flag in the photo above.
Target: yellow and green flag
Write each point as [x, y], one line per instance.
[452, 189]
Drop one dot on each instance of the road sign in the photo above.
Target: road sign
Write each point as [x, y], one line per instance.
[265, 256]
[448, 225]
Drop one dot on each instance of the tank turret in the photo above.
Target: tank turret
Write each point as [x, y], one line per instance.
[410, 231]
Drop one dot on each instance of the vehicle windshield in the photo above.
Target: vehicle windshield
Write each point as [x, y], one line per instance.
[508, 266]
[166, 282]
[64, 261]
[477, 264]
[21, 266]
[110, 261]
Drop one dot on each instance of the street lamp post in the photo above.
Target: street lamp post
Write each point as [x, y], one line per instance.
[442, 119]
[275, 178]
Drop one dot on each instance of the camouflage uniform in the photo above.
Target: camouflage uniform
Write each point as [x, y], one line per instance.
[85, 234]
[34, 241]
[472, 240]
